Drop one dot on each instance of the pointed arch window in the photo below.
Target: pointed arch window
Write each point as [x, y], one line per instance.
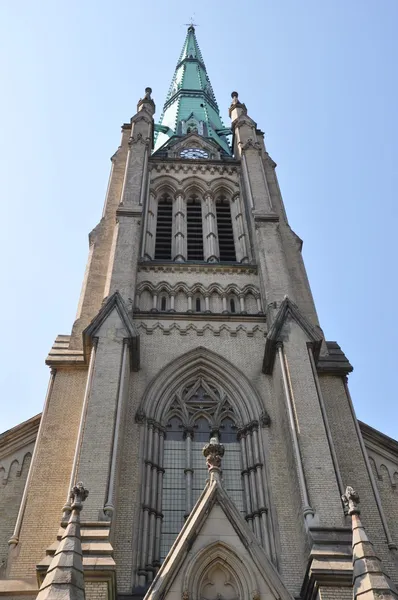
[195, 228]
[204, 409]
[226, 241]
[163, 303]
[164, 226]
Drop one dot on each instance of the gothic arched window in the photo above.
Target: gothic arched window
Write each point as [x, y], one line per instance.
[205, 409]
[198, 305]
[226, 241]
[194, 228]
[174, 470]
[164, 228]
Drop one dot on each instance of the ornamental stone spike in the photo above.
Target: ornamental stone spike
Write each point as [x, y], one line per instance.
[369, 580]
[146, 103]
[64, 579]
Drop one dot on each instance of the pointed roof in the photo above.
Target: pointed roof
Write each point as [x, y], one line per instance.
[190, 104]
[64, 579]
[225, 535]
[369, 579]
[115, 302]
[288, 310]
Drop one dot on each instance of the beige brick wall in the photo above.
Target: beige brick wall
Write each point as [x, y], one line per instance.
[11, 490]
[96, 590]
[51, 473]
[352, 466]
[388, 491]
[335, 593]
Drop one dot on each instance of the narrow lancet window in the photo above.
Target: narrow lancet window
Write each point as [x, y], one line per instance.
[194, 229]
[225, 232]
[164, 229]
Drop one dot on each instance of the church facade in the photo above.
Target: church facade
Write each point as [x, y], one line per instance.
[196, 332]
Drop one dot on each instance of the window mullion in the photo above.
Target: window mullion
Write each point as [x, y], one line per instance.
[211, 249]
[179, 251]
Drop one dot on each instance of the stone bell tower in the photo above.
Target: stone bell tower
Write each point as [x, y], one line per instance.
[196, 322]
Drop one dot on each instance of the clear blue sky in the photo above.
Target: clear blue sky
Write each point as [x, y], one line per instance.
[319, 77]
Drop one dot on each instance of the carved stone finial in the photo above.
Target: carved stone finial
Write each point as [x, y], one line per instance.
[185, 595]
[351, 501]
[213, 451]
[78, 495]
[148, 92]
[236, 103]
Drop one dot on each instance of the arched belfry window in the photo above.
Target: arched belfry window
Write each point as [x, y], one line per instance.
[226, 241]
[174, 472]
[194, 228]
[164, 227]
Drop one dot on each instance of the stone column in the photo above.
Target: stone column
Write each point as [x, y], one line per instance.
[239, 231]
[211, 250]
[179, 249]
[188, 472]
[242, 304]
[159, 515]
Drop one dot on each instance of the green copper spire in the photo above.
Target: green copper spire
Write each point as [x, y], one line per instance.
[190, 104]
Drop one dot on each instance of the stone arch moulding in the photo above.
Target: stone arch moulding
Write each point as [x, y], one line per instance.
[196, 363]
[229, 561]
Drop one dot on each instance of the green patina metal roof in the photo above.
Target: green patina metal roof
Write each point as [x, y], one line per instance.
[190, 104]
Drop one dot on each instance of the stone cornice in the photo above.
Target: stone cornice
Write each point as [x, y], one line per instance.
[379, 442]
[184, 316]
[19, 436]
[262, 217]
[186, 166]
[128, 212]
[174, 267]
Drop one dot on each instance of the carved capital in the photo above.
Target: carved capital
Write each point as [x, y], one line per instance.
[139, 139]
[250, 143]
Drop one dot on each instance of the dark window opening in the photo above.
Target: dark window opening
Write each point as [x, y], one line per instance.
[194, 229]
[226, 242]
[232, 305]
[198, 307]
[164, 229]
[163, 303]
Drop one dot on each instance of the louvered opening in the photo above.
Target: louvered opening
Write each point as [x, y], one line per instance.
[226, 242]
[164, 229]
[194, 229]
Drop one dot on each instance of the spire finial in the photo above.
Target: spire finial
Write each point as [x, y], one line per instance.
[213, 452]
[191, 26]
[236, 103]
[146, 103]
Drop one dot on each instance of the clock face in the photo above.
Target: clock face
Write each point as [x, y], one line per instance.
[194, 153]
